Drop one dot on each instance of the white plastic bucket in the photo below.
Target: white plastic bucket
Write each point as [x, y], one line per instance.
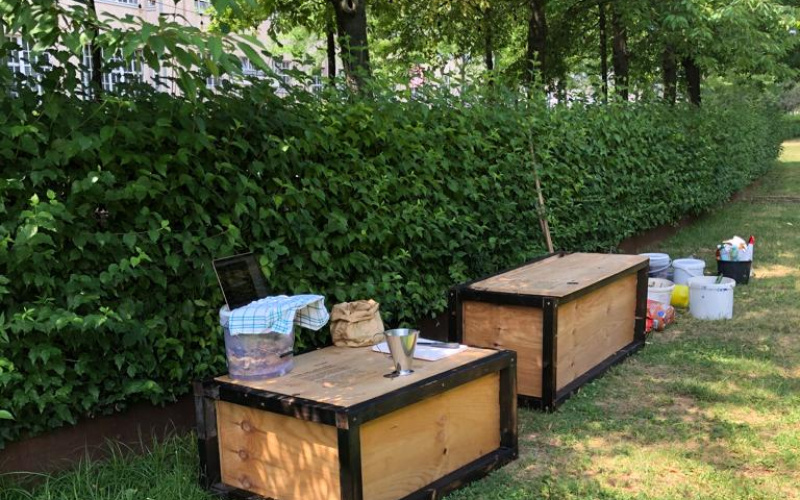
[659, 264]
[660, 290]
[709, 300]
[687, 268]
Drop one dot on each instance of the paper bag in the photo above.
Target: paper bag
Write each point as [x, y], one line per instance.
[356, 324]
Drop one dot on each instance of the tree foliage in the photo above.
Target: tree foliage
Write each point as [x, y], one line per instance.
[556, 42]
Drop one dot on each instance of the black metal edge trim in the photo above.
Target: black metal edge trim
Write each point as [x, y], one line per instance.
[560, 253]
[431, 386]
[641, 306]
[549, 350]
[291, 406]
[508, 405]
[350, 479]
[603, 282]
[596, 372]
[205, 412]
[503, 298]
[209, 387]
[461, 477]
[222, 490]
[531, 402]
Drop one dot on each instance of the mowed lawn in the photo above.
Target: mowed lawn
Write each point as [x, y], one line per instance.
[708, 410]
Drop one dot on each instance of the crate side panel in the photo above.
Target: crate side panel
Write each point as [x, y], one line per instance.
[408, 449]
[593, 327]
[277, 456]
[516, 328]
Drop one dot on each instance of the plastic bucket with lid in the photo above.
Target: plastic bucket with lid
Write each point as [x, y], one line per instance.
[256, 356]
[711, 300]
[659, 265]
[660, 290]
[687, 268]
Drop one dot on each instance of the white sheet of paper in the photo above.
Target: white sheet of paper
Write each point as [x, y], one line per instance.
[424, 352]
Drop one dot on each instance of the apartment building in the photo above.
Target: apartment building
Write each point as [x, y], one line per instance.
[186, 12]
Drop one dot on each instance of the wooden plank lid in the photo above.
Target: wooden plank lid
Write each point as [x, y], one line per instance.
[345, 376]
[560, 275]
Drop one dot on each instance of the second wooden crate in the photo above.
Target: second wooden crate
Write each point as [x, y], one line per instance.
[570, 317]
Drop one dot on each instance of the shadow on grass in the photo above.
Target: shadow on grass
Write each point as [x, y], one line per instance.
[704, 404]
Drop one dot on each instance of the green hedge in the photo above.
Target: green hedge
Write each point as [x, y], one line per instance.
[791, 126]
[112, 213]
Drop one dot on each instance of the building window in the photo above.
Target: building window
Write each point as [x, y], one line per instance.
[202, 5]
[24, 62]
[215, 82]
[316, 84]
[281, 67]
[249, 69]
[131, 3]
[116, 71]
[19, 61]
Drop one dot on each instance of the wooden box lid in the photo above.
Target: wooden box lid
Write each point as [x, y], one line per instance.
[346, 376]
[560, 275]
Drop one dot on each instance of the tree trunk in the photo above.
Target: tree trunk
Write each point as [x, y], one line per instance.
[669, 65]
[488, 45]
[3, 61]
[620, 51]
[96, 54]
[693, 79]
[330, 40]
[536, 55]
[351, 23]
[462, 70]
[603, 51]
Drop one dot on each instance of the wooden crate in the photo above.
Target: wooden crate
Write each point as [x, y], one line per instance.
[569, 317]
[336, 428]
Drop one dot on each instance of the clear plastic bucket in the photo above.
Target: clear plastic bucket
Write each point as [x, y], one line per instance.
[257, 356]
[659, 265]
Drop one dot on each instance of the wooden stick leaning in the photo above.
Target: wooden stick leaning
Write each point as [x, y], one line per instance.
[540, 205]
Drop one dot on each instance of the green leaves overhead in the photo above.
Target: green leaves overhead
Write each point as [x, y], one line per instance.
[190, 53]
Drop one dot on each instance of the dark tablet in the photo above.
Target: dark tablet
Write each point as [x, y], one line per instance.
[241, 279]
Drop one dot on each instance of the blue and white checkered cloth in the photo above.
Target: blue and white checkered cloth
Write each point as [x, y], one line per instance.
[279, 314]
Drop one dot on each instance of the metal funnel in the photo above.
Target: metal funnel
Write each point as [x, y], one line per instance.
[401, 342]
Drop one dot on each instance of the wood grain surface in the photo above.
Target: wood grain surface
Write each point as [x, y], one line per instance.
[410, 448]
[346, 376]
[559, 276]
[277, 456]
[594, 327]
[516, 328]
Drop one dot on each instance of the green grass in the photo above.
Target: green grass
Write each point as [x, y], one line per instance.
[167, 472]
[709, 410]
